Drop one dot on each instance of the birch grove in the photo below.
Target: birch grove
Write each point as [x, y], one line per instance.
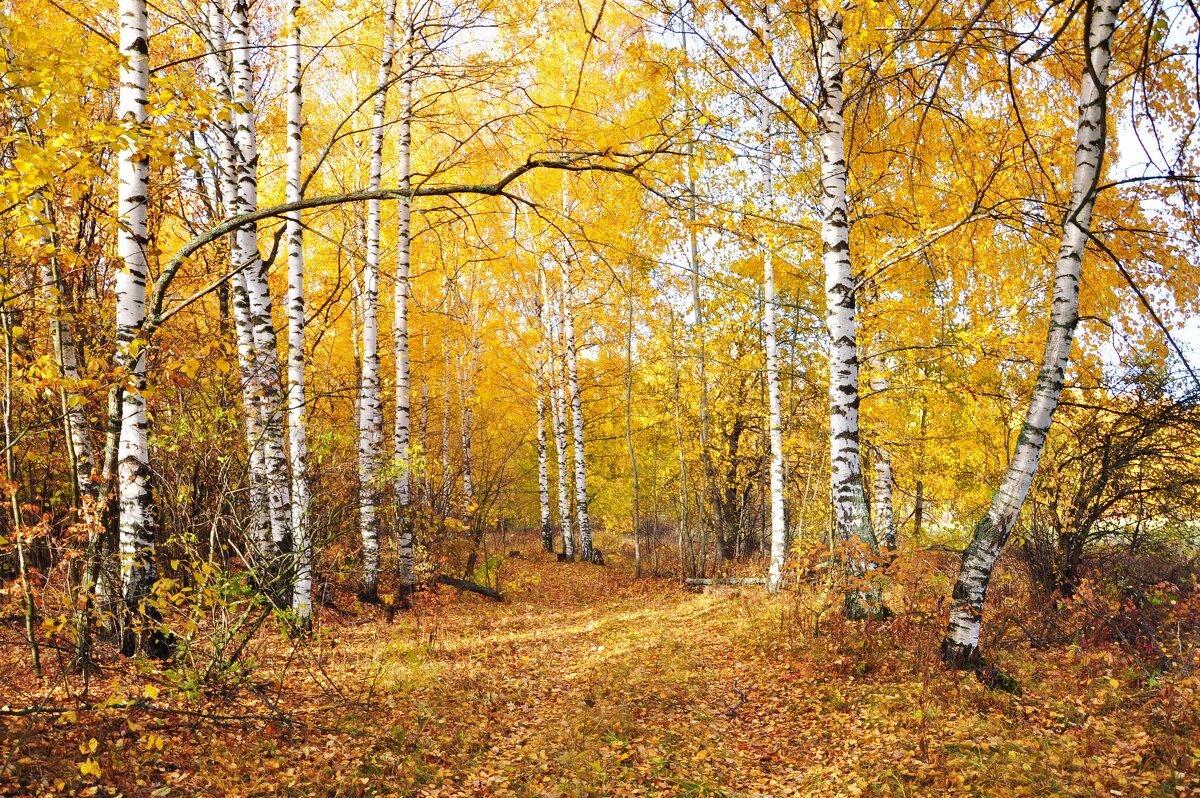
[734, 296]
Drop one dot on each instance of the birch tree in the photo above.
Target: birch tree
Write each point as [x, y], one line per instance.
[883, 483]
[558, 417]
[302, 543]
[405, 565]
[851, 514]
[774, 411]
[268, 383]
[960, 646]
[370, 401]
[260, 535]
[136, 522]
[541, 386]
[576, 400]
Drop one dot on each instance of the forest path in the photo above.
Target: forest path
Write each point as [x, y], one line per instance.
[588, 682]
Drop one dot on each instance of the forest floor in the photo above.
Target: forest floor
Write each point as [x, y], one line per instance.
[586, 682]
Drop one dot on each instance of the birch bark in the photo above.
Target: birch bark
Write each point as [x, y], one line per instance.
[851, 514]
[775, 420]
[405, 565]
[136, 522]
[568, 332]
[558, 413]
[370, 404]
[227, 185]
[268, 383]
[547, 527]
[960, 646]
[302, 544]
[633, 465]
[882, 511]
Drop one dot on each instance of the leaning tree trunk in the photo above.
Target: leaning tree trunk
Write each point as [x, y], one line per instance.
[268, 382]
[405, 558]
[960, 646]
[775, 412]
[136, 524]
[302, 543]
[370, 402]
[558, 412]
[851, 515]
[568, 331]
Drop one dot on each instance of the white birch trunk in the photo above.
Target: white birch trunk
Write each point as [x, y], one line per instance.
[427, 484]
[259, 533]
[302, 544]
[370, 402]
[960, 646]
[568, 332]
[774, 412]
[405, 565]
[446, 488]
[466, 398]
[558, 415]
[268, 382]
[136, 524]
[882, 511]
[633, 465]
[851, 514]
[547, 526]
[66, 356]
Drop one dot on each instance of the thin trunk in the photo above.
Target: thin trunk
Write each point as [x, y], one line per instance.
[446, 488]
[633, 468]
[919, 491]
[547, 526]
[136, 525]
[851, 514]
[683, 505]
[775, 419]
[10, 470]
[425, 470]
[466, 396]
[568, 331]
[227, 185]
[268, 384]
[698, 333]
[405, 558]
[960, 646]
[881, 491]
[370, 402]
[302, 544]
[558, 415]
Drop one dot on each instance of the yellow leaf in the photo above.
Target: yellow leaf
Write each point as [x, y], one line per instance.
[90, 767]
[151, 691]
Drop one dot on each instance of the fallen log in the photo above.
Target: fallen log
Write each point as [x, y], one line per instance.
[463, 584]
[732, 580]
